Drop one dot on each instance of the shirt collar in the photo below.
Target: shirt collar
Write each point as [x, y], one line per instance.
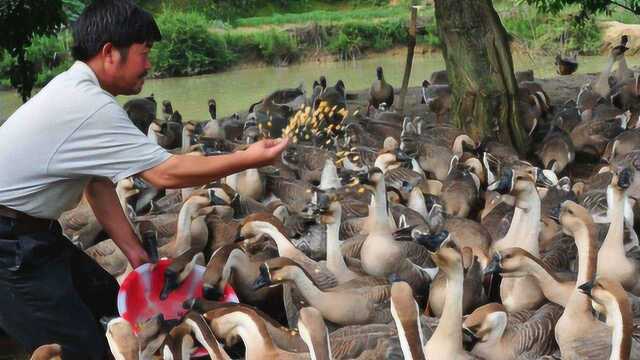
[84, 69]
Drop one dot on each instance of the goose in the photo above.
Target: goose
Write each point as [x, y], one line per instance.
[181, 340]
[473, 294]
[228, 322]
[447, 338]
[334, 95]
[578, 333]
[47, 352]
[601, 85]
[439, 77]
[167, 110]
[230, 265]
[566, 65]
[520, 180]
[266, 224]
[380, 92]
[437, 98]
[621, 145]
[283, 337]
[557, 150]
[127, 345]
[613, 260]
[80, 225]
[592, 136]
[610, 295]
[404, 310]
[498, 335]
[380, 254]
[460, 191]
[343, 307]
[248, 183]
[517, 262]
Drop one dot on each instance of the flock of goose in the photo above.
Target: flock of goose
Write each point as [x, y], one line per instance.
[376, 236]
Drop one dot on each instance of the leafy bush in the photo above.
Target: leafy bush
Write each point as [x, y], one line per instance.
[188, 48]
[277, 47]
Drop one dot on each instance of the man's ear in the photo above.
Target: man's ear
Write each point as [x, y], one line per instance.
[111, 54]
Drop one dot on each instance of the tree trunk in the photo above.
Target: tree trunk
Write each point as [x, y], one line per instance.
[480, 69]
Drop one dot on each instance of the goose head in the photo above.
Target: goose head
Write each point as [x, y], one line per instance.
[573, 217]
[47, 352]
[518, 178]
[608, 294]
[432, 241]
[212, 108]
[449, 260]
[258, 224]
[512, 262]
[277, 271]
[167, 108]
[486, 324]
[379, 73]
[214, 279]
[622, 178]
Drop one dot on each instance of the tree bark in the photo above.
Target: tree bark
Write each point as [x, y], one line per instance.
[480, 69]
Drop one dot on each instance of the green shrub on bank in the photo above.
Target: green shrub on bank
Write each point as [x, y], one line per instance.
[187, 47]
[349, 40]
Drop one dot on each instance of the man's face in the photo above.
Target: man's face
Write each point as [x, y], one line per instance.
[129, 72]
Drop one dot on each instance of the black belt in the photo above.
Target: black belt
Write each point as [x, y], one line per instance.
[23, 223]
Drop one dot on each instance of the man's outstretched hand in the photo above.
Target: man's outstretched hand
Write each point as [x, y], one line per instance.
[265, 152]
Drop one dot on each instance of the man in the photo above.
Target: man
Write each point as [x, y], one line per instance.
[73, 137]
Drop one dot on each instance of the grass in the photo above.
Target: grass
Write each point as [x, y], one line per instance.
[325, 16]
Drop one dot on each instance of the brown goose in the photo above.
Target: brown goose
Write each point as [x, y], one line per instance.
[246, 323]
[610, 295]
[343, 307]
[566, 65]
[381, 92]
[613, 260]
[578, 333]
[498, 335]
[447, 338]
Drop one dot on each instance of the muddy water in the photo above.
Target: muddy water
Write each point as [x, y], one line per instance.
[235, 90]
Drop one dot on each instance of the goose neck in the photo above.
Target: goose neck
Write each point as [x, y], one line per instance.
[449, 328]
[622, 328]
[614, 240]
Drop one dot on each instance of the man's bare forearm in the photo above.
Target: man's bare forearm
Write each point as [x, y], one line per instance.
[104, 201]
[186, 170]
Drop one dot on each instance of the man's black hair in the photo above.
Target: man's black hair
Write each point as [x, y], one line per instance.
[120, 22]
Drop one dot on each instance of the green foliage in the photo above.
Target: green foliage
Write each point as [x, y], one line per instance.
[354, 37]
[277, 47]
[588, 7]
[324, 16]
[20, 20]
[188, 48]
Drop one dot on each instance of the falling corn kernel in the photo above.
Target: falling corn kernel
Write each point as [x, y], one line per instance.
[361, 190]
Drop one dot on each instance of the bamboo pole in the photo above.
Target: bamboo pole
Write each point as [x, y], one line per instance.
[409, 63]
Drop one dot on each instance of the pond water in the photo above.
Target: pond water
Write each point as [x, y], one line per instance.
[236, 90]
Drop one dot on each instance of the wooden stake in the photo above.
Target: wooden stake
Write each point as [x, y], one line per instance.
[410, 52]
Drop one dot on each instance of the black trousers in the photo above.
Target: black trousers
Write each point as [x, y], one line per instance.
[52, 292]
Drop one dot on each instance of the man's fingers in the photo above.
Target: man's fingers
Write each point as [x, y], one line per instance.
[269, 143]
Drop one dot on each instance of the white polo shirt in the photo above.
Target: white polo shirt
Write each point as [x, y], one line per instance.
[71, 131]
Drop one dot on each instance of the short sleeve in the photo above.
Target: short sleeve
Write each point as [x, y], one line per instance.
[106, 144]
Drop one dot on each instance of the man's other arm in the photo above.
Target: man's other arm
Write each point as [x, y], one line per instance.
[101, 194]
